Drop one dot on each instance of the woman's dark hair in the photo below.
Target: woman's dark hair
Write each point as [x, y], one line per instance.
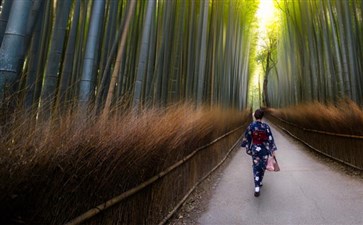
[258, 114]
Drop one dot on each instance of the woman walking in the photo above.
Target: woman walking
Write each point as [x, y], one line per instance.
[259, 143]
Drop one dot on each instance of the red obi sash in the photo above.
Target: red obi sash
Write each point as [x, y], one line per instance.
[259, 137]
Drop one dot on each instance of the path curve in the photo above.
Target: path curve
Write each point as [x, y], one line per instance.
[305, 191]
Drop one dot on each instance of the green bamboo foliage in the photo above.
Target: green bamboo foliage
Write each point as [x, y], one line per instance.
[319, 52]
[184, 50]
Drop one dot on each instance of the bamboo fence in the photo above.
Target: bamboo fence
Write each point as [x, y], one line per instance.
[344, 148]
[157, 199]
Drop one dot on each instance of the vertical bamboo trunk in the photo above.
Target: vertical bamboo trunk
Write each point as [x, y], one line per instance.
[197, 52]
[359, 49]
[265, 80]
[68, 58]
[339, 70]
[34, 15]
[55, 54]
[351, 49]
[213, 36]
[73, 94]
[45, 35]
[108, 35]
[141, 68]
[159, 55]
[191, 50]
[176, 52]
[341, 45]
[151, 60]
[331, 74]
[35, 55]
[109, 48]
[105, 78]
[168, 35]
[12, 47]
[120, 51]
[203, 50]
[88, 72]
[4, 16]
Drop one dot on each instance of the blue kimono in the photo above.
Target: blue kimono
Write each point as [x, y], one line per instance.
[259, 143]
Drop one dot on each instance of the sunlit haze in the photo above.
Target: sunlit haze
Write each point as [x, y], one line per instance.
[266, 15]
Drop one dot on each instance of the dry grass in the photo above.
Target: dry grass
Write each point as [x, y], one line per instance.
[346, 117]
[56, 171]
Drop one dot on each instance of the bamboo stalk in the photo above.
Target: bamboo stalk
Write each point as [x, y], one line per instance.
[94, 211]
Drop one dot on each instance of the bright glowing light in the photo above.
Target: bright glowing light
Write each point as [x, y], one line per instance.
[266, 15]
[266, 12]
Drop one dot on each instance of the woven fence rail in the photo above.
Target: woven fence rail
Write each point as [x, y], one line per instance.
[347, 149]
[157, 199]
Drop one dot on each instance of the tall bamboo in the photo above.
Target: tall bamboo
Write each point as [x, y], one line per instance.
[141, 68]
[203, 51]
[4, 16]
[118, 59]
[89, 71]
[55, 53]
[34, 55]
[12, 47]
[69, 57]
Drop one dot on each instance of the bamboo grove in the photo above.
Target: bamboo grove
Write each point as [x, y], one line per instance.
[319, 52]
[57, 55]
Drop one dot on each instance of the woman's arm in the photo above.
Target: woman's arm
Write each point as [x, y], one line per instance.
[271, 141]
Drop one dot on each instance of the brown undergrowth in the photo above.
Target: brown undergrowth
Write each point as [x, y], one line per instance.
[345, 117]
[53, 172]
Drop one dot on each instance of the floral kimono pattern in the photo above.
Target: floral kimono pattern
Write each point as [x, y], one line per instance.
[259, 143]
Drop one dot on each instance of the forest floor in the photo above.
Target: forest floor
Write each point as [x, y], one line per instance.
[309, 189]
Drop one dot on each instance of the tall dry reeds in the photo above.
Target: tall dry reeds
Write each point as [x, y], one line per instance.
[51, 172]
[345, 117]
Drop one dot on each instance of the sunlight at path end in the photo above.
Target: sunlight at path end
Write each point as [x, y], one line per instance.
[266, 16]
[265, 13]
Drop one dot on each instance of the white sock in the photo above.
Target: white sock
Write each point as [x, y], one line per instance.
[257, 189]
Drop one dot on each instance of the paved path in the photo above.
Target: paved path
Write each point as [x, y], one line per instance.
[305, 191]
